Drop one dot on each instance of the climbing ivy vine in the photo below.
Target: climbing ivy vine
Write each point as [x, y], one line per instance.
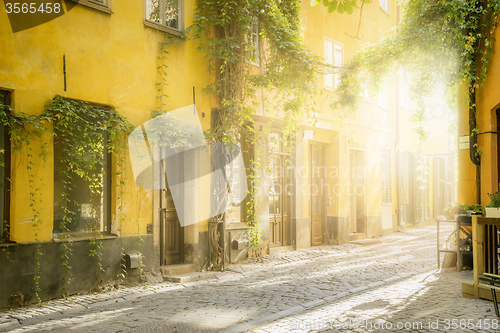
[438, 41]
[80, 128]
[285, 70]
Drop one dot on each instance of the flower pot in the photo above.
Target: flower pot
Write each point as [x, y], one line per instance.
[492, 212]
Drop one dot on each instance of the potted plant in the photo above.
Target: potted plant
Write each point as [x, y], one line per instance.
[474, 209]
[493, 208]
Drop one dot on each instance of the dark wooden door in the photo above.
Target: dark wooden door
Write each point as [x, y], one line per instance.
[171, 232]
[317, 198]
[172, 235]
[279, 223]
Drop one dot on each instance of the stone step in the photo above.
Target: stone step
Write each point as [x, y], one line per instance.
[178, 269]
[367, 242]
[280, 249]
[190, 277]
[356, 236]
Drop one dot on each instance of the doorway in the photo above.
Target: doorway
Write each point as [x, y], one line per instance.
[406, 188]
[278, 203]
[357, 191]
[318, 169]
[171, 233]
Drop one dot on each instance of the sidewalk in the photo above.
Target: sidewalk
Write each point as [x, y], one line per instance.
[315, 289]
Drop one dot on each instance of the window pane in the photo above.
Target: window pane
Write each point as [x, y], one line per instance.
[172, 13]
[153, 11]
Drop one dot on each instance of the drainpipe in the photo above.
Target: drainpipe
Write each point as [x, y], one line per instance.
[474, 156]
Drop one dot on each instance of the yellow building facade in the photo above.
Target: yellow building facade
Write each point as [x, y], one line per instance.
[110, 54]
[360, 174]
[352, 175]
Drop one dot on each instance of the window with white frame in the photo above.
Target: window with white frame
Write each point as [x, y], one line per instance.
[165, 14]
[334, 54]
[384, 4]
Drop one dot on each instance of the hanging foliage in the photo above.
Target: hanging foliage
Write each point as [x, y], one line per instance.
[439, 41]
[255, 45]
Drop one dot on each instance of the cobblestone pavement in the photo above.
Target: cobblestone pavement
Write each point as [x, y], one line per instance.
[388, 284]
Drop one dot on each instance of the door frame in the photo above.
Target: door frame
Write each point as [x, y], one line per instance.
[323, 196]
[349, 164]
[286, 213]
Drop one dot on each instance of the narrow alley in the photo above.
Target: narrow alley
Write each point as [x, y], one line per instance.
[384, 284]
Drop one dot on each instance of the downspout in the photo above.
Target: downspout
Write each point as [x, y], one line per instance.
[474, 156]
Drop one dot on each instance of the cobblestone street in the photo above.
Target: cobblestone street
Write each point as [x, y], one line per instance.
[386, 284]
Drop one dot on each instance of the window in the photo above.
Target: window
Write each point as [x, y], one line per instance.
[5, 103]
[385, 174]
[254, 45]
[164, 14]
[384, 4]
[103, 5]
[82, 183]
[334, 53]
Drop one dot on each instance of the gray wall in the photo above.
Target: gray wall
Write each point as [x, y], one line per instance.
[17, 267]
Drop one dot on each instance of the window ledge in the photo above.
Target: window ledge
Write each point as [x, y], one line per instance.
[58, 238]
[7, 244]
[166, 29]
[104, 9]
[385, 11]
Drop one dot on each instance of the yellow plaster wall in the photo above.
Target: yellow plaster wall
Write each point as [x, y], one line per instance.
[367, 127]
[487, 101]
[111, 59]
